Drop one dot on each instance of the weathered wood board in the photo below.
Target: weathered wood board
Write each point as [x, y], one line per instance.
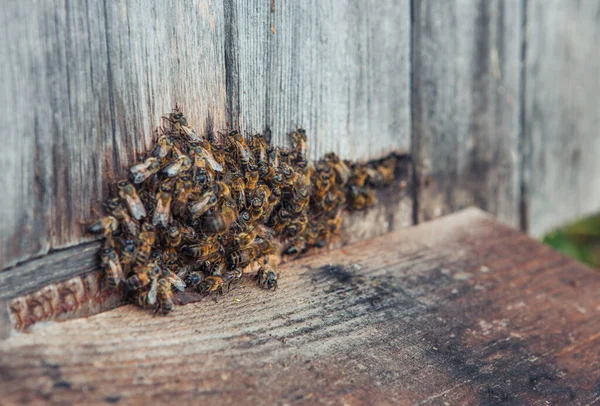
[562, 115]
[459, 311]
[466, 64]
[84, 85]
[340, 69]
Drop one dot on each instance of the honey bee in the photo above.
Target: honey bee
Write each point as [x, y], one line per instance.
[211, 284]
[112, 267]
[174, 236]
[244, 220]
[203, 250]
[238, 188]
[384, 173]
[193, 279]
[174, 280]
[143, 277]
[129, 195]
[162, 212]
[180, 124]
[163, 147]
[259, 148]
[300, 143]
[219, 221]
[243, 152]
[252, 177]
[106, 225]
[165, 296]
[242, 258]
[199, 207]
[232, 276]
[144, 170]
[128, 250]
[341, 169]
[183, 189]
[266, 278]
[297, 246]
[244, 239]
[222, 191]
[145, 242]
[203, 155]
[180, 165]
[116, 209]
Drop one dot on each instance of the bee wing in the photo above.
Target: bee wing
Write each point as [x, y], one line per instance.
[136, 207]
[152, 292]
[174, 168]
[191, 134]
[177, 282]
[211, 160]
[244, 151]
[116, 269]
[201, 206]
[162, 213]
[140, 172]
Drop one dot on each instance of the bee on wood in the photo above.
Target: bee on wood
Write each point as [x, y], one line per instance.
[203, 156]
[193, 279]
[163, 147]
[106, 225]
[129, 195]
[211, 284]
[143, 277]
[142, 171]
[252, 177]
[183, 189]
[203, 250]
[114, 207]
[165, 296]
[180, 125]
[232, 276]
[198, 208]
[162, 212]
[218, 221]
[178, 166]
[245, 156]
[267, 278]
[242, 258]
[174, 280]
[297, 246]
[112, 267]
[146, 241]
[238, 189]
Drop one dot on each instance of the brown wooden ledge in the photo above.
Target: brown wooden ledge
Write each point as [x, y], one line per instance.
[461, 310]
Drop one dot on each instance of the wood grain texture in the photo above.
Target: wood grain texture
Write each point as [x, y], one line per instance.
[340, 69]
[461, 310]
[466, 64]
[84, 85]
[562, 113]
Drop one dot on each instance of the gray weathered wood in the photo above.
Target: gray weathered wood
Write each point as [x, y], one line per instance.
[466, 77]
[83, 86]
[562, 114]
[340, 69]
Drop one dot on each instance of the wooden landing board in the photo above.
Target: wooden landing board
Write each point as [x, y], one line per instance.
[459, 311]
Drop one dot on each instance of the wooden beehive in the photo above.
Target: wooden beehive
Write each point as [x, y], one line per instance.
[495, 102]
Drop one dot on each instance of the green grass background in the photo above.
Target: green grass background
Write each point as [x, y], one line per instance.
[580, 240]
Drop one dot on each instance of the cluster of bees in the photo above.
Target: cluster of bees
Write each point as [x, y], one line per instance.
[198, 211]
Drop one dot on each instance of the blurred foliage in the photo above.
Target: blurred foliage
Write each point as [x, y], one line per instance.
[580, 240]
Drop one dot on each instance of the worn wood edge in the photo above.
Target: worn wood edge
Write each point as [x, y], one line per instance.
[382, 321]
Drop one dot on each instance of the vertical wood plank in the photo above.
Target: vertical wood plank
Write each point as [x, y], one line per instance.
[562, 112]
[340, 69]
[465, 101]
[84, 84]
